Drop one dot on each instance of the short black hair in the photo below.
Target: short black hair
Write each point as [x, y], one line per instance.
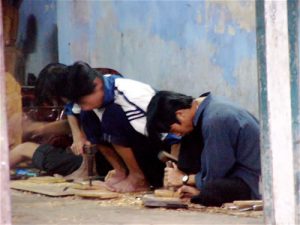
[80, 80]
[71, 82]
[161, 111]
[51, 82]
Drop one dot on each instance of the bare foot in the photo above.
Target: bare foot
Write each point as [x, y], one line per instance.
[81, 173]
[131, 184]
[113, 177]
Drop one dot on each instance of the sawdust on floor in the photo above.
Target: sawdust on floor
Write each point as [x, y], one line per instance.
[135, 200]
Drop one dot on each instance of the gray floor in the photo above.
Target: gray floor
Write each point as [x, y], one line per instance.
[36, 209]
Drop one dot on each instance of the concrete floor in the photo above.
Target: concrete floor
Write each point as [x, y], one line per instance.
[34, 209]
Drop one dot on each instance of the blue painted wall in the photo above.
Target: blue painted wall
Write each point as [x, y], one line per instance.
[187, 46]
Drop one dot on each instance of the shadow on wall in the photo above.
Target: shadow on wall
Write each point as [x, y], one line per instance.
[52, 43]
[29, 44]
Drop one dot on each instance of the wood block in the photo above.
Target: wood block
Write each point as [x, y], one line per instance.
[99, 194]
[166, 193]
[247, 203]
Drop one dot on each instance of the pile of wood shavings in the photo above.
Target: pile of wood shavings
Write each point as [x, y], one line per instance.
[126, 199]
[134, 200]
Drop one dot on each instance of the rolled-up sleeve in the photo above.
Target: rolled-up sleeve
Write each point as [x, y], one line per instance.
[72, 109]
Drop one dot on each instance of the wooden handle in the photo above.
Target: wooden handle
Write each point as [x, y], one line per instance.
[248, 203]
[165, 193]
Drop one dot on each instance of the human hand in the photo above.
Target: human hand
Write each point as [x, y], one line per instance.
[78, 143]
[186, 192]
[173, 176]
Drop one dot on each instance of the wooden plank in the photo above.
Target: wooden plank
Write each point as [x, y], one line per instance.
[56, 188]
[49, 189]
[5, 206]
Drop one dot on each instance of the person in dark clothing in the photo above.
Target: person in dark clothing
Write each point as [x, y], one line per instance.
[115, 131]
[219, 159]
[56, 160]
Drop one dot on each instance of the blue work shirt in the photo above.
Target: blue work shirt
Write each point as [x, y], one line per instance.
[230, 143]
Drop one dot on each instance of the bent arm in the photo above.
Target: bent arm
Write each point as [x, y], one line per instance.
[79, 138]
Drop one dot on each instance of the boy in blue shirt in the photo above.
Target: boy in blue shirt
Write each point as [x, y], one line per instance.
[219, 159]
[90, 94]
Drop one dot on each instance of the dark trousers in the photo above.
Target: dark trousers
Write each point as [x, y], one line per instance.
[220, 191]
[214, 193]
[55, 160]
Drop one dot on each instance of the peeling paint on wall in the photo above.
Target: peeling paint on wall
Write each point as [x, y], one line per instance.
[243, 12]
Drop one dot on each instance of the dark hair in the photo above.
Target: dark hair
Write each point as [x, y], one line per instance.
[80, 80]
[161, 111]
[71, 82]
[51, 82]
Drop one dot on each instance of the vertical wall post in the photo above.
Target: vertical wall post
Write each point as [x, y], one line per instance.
[275, 112]
[5, 205]
[293, 28]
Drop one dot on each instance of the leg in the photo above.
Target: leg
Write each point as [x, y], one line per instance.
[120, 172]
[93, 129]
[102, 165]
[81, 173]
[55, 160]
[220, 191]
[22, 152]
[146, 154]
[33, 129]
[135, 150]
[59, 127]
[135, 180]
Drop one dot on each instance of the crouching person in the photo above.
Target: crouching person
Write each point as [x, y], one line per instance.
[135, 163]
[56, 160]
[115, 108]
[219, 159]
